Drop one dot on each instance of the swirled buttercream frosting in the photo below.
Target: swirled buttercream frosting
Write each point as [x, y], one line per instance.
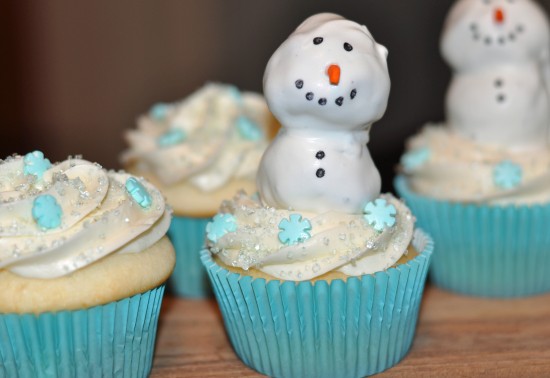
[300, 246]
[442, 164]
[57, 218]
[213, 136]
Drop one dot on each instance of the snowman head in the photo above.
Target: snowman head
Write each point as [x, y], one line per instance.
[481, 33]
[329, 74]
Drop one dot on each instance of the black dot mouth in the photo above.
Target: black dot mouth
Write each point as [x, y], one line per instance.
[501, 40]
[310, 96]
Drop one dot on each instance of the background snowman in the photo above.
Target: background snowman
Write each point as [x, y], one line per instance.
[499, 51]
[326, 84]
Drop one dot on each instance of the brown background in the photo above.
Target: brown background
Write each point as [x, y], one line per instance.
[74, 75]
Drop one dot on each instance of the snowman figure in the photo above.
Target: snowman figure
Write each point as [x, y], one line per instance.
[499, 52]
[326, 84]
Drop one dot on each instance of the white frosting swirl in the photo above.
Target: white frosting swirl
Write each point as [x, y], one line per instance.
[98, 216]
[339, 241]
[214, 135]
[442, 164]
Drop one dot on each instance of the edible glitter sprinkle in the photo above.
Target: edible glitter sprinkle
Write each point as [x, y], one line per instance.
[294, 230]
[36, 164]
[507, 175]
[171, 138]
[220, 225]
[379, 214]
[138, 192]
[46, 212]
[248, 129]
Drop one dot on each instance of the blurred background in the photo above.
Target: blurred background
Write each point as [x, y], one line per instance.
[75, 75]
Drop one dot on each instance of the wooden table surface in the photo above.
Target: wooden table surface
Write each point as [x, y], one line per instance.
[457, 336]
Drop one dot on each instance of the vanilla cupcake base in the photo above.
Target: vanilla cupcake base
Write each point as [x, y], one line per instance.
[114, 277]
[100, 321]
[343, 328]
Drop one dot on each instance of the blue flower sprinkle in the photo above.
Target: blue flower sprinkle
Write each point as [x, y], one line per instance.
[507, 175]
[379, 214]
[220, 225]
[35, 164]
[248, 129]
[46, 212]
[294, 230]
[415, 158]
[159, 111]
[138, 192]
[171, 138]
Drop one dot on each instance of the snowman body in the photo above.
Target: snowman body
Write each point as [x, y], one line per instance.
[499, 52]
[301, 171]
[326, 84]
[504, 105]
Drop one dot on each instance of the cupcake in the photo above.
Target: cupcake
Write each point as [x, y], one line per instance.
[83, 261]
[319, 275]
[480, 182]
[199, 151]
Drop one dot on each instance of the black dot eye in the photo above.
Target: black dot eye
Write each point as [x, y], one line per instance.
[348, 47]
[299, 84]
[317, 40]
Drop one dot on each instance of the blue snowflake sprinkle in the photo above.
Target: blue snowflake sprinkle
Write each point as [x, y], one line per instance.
[171, 138]
[235, 93]
[159, 111]
[35, 164]
[507, 175]
[379, 214]
[294, 230]
[220, 225]
[138, 192]
[46, 212]
[415, 158]
[248, 129]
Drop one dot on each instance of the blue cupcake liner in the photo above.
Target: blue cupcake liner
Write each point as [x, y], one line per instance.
[352, 328]
[112, 340]
[484, 250]
[189, 278]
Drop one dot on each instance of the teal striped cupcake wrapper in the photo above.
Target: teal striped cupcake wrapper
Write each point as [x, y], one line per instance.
[189, 278]
[113, 340]
[490, 251]
[352, 328]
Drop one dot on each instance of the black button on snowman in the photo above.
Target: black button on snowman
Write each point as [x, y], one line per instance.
[326, 84]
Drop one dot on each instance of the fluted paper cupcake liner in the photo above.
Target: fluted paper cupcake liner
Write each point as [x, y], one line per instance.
[352, 328]
[113, 340]
[492, 251]
[189, 278]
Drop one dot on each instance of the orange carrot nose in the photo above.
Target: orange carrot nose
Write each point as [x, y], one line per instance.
[333, 73]
[499, 15]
